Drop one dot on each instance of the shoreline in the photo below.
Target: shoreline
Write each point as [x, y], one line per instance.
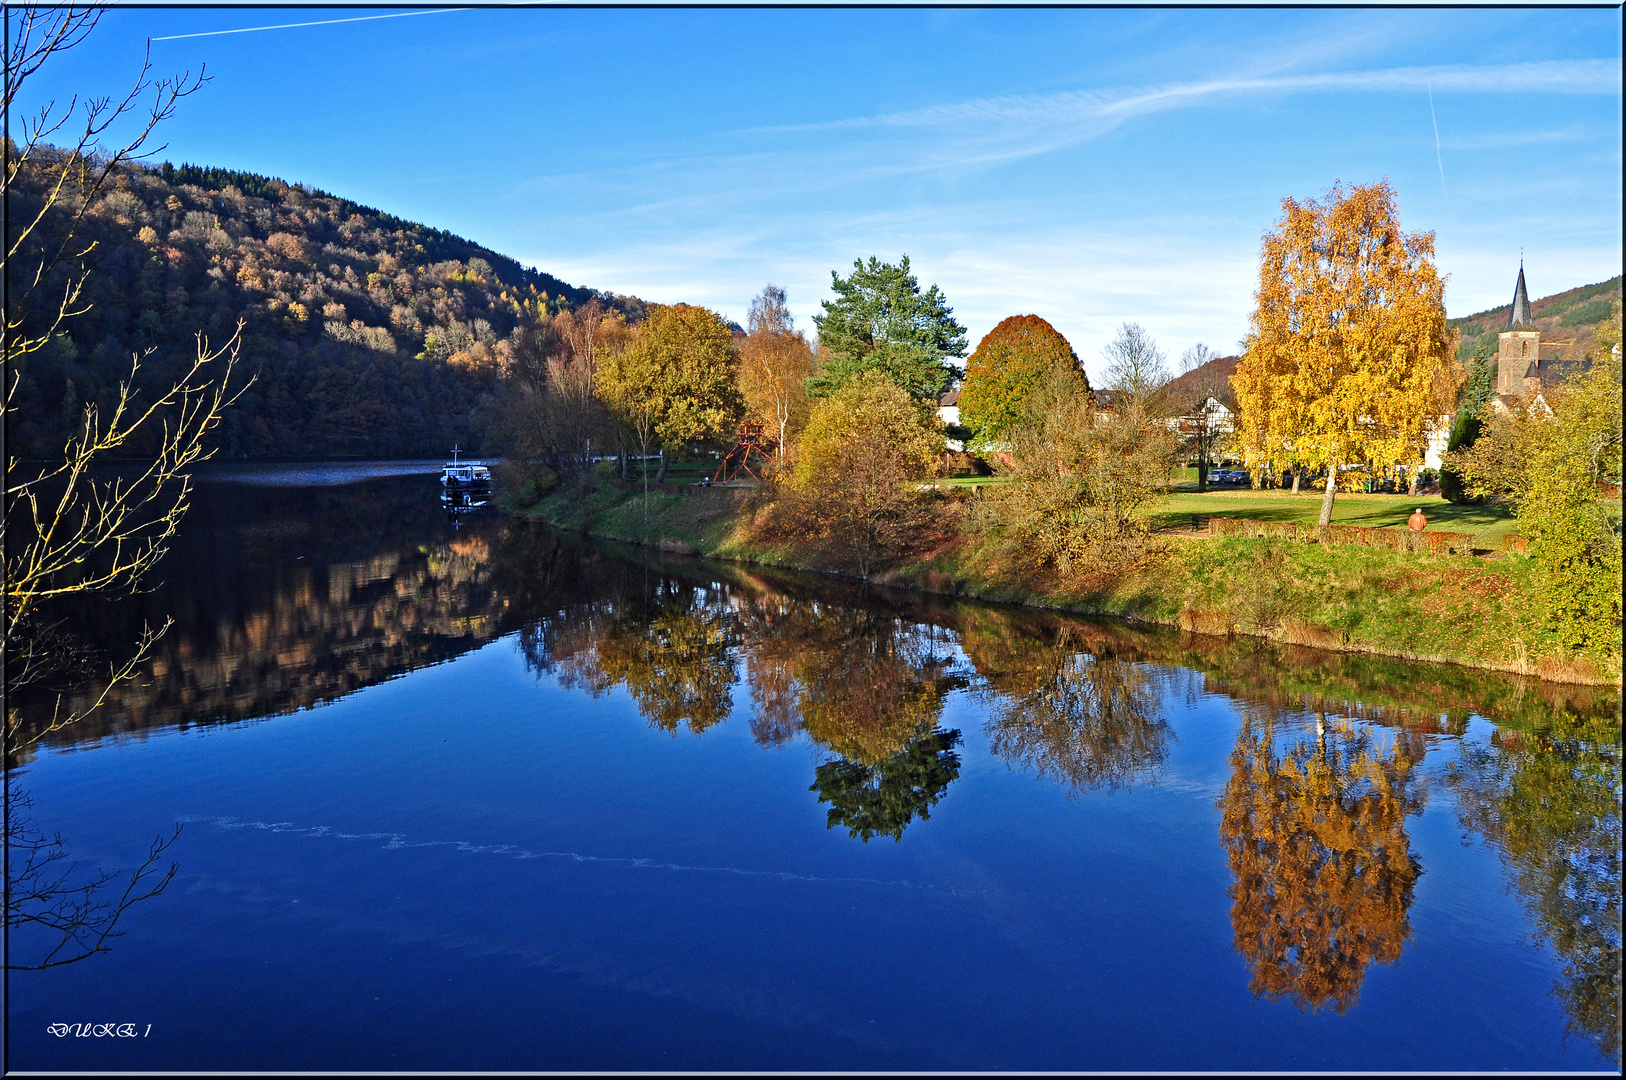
[717, 539]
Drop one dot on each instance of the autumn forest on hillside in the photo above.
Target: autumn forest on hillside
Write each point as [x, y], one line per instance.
[365, 335]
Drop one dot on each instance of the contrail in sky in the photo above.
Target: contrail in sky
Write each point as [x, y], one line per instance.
[1437, 158]
[290, 26]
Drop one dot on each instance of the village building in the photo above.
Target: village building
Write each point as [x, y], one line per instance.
[1521, 371]
[948, 411]
[1210, 415]
[1518, 349]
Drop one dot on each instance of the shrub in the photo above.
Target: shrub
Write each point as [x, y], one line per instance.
[855, 461]
[1550, 462]
[1080, 479]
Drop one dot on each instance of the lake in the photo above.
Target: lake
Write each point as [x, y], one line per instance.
[476, 795]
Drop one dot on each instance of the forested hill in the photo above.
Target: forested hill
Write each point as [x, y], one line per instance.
[1570, 316]
[366, 335]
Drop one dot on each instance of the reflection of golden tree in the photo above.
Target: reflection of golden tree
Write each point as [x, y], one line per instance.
[1079, 719]
[675, 663]
[1550, 800]
[860, 681]
[1324, 876]
[770, 666]
[870, 683]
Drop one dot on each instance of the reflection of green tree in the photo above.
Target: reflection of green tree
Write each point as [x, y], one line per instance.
[881, 799]
[1551, 802]
[675, 662]
[869, 686]
[1324, 874]
[1083, 720]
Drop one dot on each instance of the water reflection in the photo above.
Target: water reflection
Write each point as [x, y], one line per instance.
[883, 798]
[1549, 799]
[864, 683]
[1081, 719]
[284, 598]
[1316, 838]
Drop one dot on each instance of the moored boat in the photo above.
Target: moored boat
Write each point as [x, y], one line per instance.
[465, 483]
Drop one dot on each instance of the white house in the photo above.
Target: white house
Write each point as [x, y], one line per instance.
[948, 411]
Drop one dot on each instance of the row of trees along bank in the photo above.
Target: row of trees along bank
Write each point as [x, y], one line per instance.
[1349, 360]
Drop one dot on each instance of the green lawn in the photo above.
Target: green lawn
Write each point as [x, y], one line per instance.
[1488, 524]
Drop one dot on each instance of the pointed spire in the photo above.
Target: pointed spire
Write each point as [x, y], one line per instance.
[1521, 304]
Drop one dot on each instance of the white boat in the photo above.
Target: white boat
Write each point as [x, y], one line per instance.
[465, 483]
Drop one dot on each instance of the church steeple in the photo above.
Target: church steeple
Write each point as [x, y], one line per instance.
[1521, 304]
[1518, 348]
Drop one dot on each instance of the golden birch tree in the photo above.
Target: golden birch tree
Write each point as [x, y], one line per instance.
[775, 362]
[1347, 339]
[673, 384]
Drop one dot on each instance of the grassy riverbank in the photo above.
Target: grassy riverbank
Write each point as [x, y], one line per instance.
[1472, 611]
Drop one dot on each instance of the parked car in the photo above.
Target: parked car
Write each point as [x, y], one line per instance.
[1216, 476]
[1236, 476]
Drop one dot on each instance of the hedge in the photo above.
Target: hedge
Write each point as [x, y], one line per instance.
[1436, 543]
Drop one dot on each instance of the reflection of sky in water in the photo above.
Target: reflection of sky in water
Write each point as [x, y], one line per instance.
[314, 474]
[473, 865]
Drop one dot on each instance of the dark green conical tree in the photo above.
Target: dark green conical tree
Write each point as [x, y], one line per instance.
[882, 799]
[880, 320]
[1465, 429]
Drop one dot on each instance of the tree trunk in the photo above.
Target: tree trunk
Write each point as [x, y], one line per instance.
[1298, 474]
[1202, 472]
[1332, 490]
[1416, 474]
[660, 475]
[623, 457]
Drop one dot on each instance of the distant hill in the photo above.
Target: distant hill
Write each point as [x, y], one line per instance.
[368, 335]
[1214, 377]
[1571, 316]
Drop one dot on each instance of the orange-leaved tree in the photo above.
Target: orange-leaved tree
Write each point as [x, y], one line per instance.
[1008, 366]
[1347, 339]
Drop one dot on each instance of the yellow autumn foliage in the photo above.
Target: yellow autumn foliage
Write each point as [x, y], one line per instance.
[1348, 343]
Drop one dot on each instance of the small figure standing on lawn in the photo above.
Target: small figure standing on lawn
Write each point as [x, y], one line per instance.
[1417, 522]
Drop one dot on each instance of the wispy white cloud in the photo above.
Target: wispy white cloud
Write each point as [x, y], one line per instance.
[1002, 128]
[957, 138]
[1551, 77]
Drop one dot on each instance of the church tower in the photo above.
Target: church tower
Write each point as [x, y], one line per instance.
[1519, 346]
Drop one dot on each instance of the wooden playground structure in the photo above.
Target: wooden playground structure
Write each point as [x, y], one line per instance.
[738, 460]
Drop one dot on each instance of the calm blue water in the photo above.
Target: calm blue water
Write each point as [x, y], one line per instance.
[486, 799]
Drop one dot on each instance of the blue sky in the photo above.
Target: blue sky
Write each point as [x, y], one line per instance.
[1088, 166]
